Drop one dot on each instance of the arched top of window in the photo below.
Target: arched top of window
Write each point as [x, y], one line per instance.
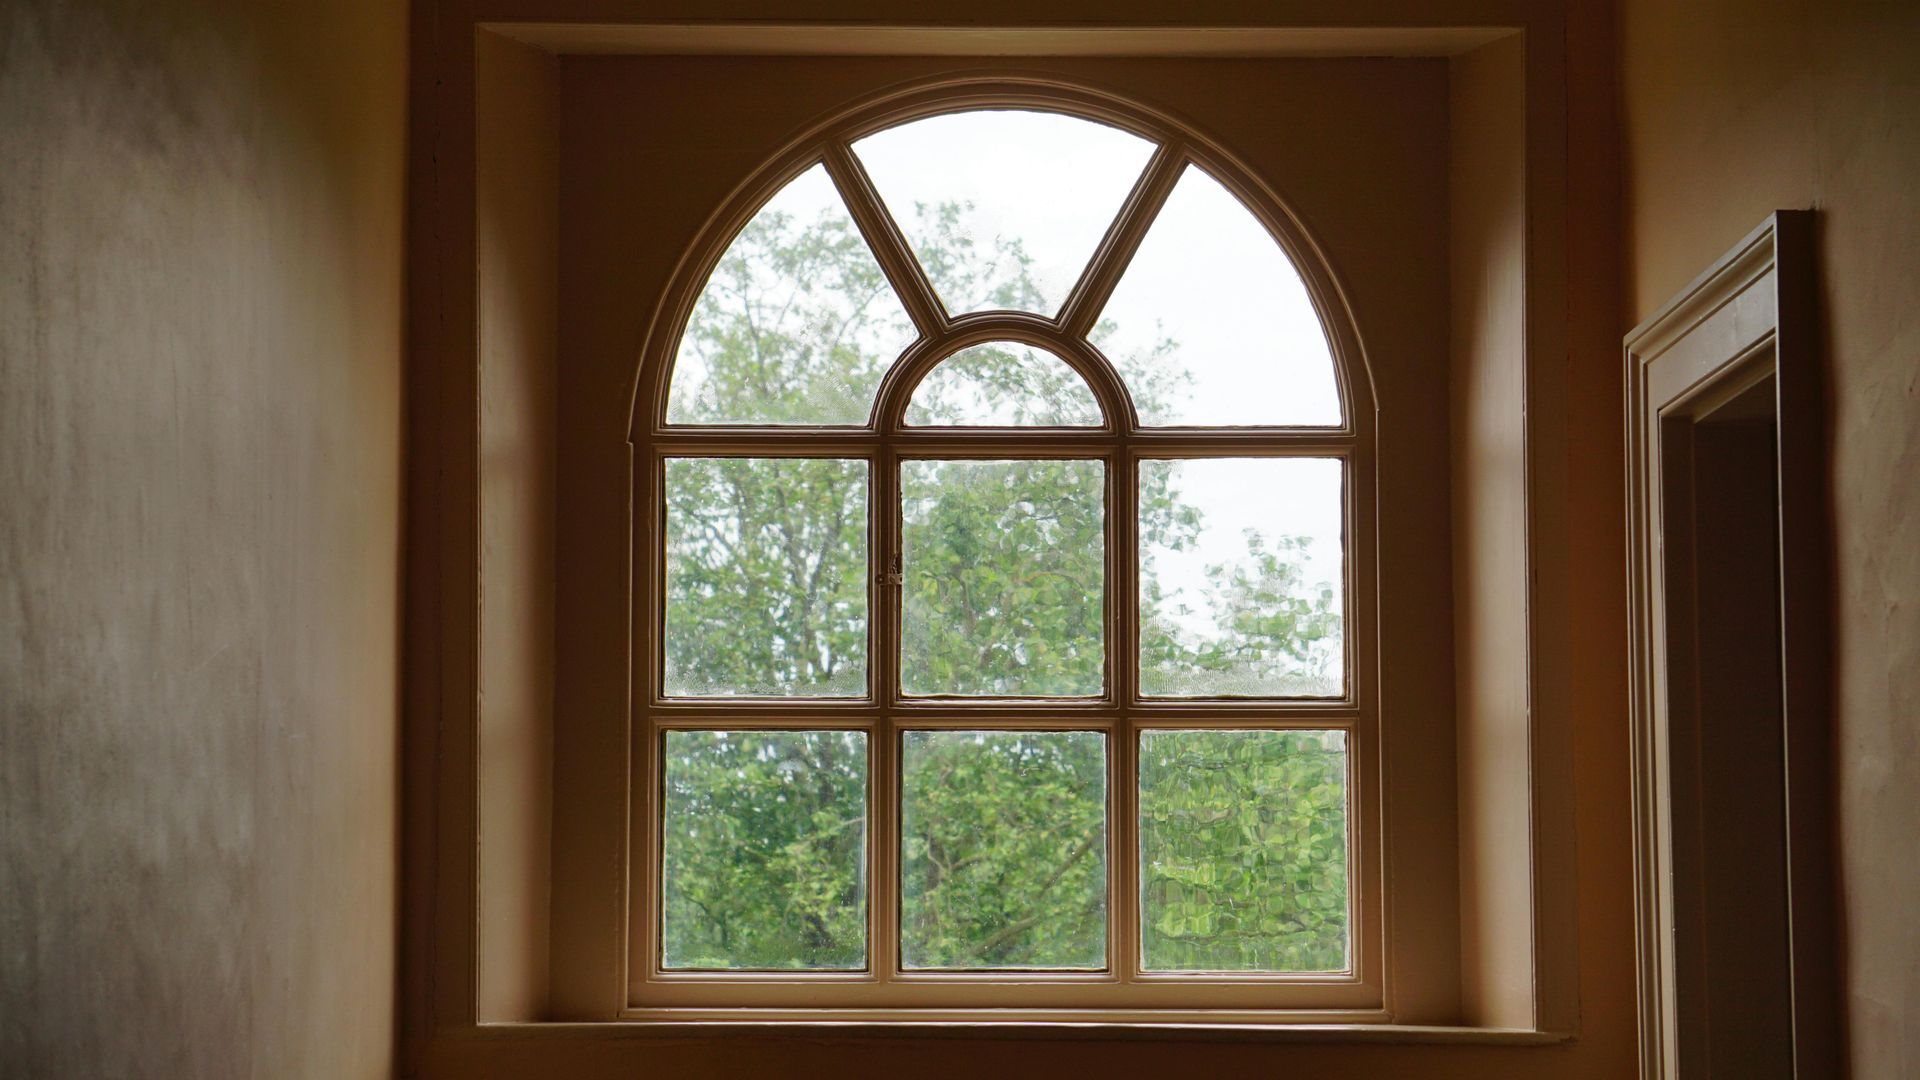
[1003, 384]
[892, 243]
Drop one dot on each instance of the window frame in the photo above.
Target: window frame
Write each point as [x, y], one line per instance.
[1122, 991]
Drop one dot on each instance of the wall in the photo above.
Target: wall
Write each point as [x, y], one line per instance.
[200, 320]
[516, 187]
[1486, 183]
[1734, 108]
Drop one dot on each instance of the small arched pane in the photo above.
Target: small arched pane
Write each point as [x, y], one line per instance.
[796, 324]
[1003, 207]
[1003, 384]
[1211, 326]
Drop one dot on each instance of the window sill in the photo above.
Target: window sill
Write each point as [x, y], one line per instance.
[1211, 1029]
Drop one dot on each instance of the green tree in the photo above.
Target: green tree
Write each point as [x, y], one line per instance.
[1003, 848]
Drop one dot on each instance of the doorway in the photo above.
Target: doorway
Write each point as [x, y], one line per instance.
[1731, 691]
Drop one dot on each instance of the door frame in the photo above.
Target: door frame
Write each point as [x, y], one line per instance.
[1752, 314]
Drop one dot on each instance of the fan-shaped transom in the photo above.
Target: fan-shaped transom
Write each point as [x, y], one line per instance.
[1208, 323]
[1003, 384]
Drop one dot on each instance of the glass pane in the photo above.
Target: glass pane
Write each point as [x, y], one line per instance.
[1211, 324]
[766, 577]
[1005, 566]
[1241, 564]
[764, 848]
[1003, 849]
[1003, 207]
[796, 324]
[1243, 850]
[1003, 384]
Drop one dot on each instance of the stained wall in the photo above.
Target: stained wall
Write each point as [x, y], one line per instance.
[200, 513]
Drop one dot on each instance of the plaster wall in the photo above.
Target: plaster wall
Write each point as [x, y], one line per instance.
[200, 325]
[1732, 109]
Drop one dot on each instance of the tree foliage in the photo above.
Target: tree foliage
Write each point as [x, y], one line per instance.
[1003, 844]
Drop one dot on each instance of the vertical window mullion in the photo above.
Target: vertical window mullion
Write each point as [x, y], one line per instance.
[883, 902]
[1123, 871]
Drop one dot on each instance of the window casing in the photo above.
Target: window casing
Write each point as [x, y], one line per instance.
[1119, 711]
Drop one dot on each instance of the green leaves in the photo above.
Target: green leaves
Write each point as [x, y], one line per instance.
[1003, 849]
[1243, 850]
[1005, 566]
[764, 850]
[766, 577]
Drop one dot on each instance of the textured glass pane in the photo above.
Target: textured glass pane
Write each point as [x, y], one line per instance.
[1241, 564]
[766, 577]
[1003, 860]
[764, 847]
[796, 324]
[1003, 207]
[1211, 324]
[1243, 850]
[1003, 384]
[1005, 564]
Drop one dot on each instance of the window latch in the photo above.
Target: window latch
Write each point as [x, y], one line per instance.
[892, 574]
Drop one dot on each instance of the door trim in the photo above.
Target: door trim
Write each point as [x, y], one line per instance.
[1750, 315]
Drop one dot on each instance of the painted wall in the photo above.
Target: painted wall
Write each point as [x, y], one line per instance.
[1733, 108]
[200, 326]
[516, 187]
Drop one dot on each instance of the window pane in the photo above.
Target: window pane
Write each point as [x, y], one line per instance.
[1243, 850]
[1003, 384]
[1241, 564]
[1211, 324]
[764, 839]
[1003, 207]
[1005, 565]
[796, 324]
[766, 577]
[1003, 858]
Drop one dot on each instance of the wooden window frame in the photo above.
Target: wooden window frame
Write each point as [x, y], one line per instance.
[1121, 992]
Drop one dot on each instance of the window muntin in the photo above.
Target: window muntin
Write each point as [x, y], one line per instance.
[1121, 709]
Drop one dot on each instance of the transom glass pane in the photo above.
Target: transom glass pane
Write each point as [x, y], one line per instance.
[764, 838]
[1211, 324]
[1005, 577]
[796, 324]
[766, 587]
[1243, 850]
[1003, 858]
[1003, 207]
[1241, 568]
[1003, 384]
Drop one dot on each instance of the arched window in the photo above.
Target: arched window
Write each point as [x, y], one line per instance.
[1001, 612]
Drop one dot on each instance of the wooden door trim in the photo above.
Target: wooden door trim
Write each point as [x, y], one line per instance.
[1750, 314]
